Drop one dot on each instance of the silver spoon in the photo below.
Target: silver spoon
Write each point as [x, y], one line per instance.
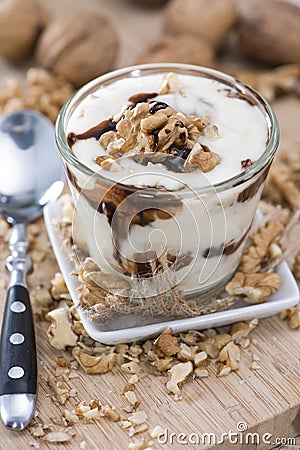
[31, 175]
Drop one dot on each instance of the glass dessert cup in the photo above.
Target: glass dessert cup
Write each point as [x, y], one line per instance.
[191, 238]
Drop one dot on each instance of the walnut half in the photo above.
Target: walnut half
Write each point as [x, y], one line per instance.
[256, 287]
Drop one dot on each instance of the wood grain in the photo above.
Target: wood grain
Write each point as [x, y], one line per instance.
[267, 400]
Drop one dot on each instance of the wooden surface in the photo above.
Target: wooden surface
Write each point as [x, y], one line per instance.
[267, 400]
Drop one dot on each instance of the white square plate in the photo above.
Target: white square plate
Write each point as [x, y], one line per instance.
[132, 328]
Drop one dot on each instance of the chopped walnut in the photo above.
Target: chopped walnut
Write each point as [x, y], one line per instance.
[60, 333]
[296, 268]
[201, 372]
[283, 79]
[58, 286]
[255, 254]
[171, 84]
[254, 365]
[223, 370]
[153, 132]
[58, 436]
[239, 330]
[201, 157]
[42, 91]
[255, 287]
[92, 364]
[178, 374]
[231, 355]
[62, 394]
[166, 344]
[293, 317]
[285, 183]
[110, 413]
[142, 444]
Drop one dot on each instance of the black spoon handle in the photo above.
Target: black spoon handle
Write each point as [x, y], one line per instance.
[18, 362]
[18, 366]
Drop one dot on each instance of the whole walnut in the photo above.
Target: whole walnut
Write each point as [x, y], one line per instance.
[79, 47]
[153, 3]
[182, 48]
[21, 22]
[210, 19]
[269, 31]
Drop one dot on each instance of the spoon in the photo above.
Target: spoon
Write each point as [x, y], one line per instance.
[31, 175]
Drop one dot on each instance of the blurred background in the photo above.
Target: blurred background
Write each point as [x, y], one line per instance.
[49, 48]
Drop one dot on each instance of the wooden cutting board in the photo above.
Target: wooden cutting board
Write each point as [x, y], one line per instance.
[264, 401]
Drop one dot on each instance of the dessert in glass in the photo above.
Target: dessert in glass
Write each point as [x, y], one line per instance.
[166, 164]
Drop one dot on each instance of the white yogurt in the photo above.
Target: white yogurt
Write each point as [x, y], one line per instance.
[211, 230]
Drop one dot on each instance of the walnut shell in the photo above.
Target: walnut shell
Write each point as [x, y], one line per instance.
[270, 31]
[184, 48]
[210, 19]
[153, 3]
[78, 47]
[20, 25]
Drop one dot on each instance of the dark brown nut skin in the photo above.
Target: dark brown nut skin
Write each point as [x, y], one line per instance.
[184, 48]
[270, 31]
[210, 19]
[79, 47]
[21, 22]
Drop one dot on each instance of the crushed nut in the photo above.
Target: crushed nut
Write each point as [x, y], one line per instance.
[58, 436]
[138, 417]
[156, 432]
[231, 355]
[254, 365]
[239, 330]
[201, 157]
[223, 370]
[92, 364]
[166, 344]
[62, 394]
[142, 444]
[171, 84]
[110, 413]
[201, 372]
[255, 287]
[58, 286]
[60, 333]
[254, 256]
[178, 374]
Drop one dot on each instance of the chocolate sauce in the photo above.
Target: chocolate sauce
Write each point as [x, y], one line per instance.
[157, 106]
[227, 249]
[246, 163]
[94, 132]
[174, 160]
[251, 190]
[233, 93]
[141, 97]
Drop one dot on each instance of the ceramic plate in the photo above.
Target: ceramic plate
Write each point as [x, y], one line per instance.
[131, 328]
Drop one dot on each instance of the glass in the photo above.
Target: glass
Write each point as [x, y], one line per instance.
[196, 235]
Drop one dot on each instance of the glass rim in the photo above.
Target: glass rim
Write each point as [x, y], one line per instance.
[189, 69]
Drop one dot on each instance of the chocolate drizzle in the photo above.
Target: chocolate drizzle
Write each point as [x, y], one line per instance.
[157, 106]
[141, 97]
[125, 206]
[253, 188]
[228, 249]
[94, 132]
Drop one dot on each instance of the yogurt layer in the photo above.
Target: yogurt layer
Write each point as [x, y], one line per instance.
[128, 229]
[237, 129]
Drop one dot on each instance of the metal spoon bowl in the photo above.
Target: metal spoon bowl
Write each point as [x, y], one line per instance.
[31, 175]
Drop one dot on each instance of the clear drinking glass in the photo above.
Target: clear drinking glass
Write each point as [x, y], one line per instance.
[198, 235]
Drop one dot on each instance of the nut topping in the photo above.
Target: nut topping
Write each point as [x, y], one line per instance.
[256, 287]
